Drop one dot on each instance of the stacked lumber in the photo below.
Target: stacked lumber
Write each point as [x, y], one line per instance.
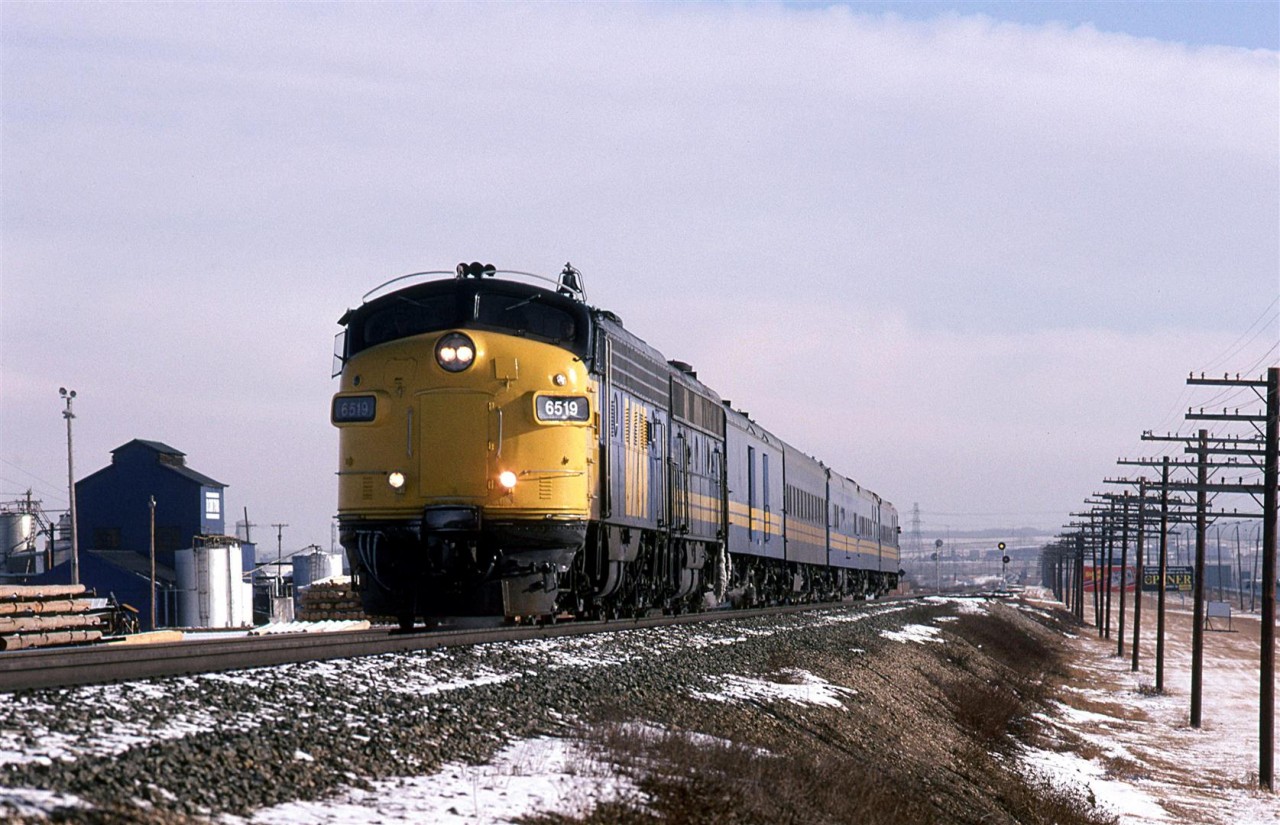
[333, 599]
[47, 615]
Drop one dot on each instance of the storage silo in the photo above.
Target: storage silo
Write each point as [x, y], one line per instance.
[313, 567]
[17, 534]
[212, 591]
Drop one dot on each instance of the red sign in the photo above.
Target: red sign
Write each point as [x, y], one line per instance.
[1090, 577]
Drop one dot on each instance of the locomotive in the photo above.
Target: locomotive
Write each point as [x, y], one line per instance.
[506, 449]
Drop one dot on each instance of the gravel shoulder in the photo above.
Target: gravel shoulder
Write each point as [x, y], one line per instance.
[893, 712]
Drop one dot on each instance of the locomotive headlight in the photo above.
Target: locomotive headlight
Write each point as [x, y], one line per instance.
[455, 352]
[396, 480]
[507, 479]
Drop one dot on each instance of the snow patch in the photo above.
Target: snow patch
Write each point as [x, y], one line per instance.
[531, 775]
[920, 633]
[804, 688]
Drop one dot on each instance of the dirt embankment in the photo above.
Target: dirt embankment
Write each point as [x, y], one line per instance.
[920, 725]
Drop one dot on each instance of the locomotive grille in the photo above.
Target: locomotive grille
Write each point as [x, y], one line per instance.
[544, 489]
[366, 489]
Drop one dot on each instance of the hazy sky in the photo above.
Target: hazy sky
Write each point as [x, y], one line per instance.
[965, 253]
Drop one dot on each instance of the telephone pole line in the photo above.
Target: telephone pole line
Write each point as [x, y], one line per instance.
[1268, 390]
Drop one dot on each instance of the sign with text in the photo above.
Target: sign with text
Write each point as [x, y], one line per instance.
[1177, 579]
[1095, 578]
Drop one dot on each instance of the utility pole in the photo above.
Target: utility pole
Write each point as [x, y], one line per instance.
[1271, 479]
[1124, 575]
[1164, 572]
[247, 527]
[153, 562]
[1095, 547]
[1197, 581]
[1268, 390]
[1111, 548]
[1138, 566]
[279, 558]
[1079, 577]
[69, 395]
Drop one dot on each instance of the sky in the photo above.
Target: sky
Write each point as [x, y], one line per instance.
[964, 253]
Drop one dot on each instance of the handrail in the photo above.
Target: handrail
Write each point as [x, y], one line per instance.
[552, 281]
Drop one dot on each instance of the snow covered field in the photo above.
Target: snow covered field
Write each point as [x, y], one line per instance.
[1137, 751]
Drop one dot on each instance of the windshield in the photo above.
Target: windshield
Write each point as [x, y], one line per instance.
[410, 316]
[529, 317]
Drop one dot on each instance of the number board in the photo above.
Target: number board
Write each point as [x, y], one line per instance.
[562, 408]
[349, 408]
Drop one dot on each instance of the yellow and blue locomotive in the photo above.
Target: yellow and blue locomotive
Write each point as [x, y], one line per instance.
[506, 449]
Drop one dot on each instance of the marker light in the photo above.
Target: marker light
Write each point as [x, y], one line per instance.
[455, 352]
[559, 380]
[396, 480]
[507, 479]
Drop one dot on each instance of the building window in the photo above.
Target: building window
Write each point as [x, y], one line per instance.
[213, 505]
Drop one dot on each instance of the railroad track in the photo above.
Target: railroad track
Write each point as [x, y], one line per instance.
[102, 664]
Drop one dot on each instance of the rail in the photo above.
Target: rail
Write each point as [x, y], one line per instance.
[107, 663]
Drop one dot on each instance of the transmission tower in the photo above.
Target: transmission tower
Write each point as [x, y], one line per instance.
[916, 540]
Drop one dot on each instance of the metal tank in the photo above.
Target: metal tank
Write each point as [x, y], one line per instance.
[17, 534]
[311, 568]
[212, 591]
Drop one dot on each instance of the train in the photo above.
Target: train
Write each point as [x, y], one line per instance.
[508, 450]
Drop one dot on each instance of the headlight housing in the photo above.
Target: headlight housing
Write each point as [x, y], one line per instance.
[455, 352]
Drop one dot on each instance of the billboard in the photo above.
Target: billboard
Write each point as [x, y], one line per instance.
[1093, 579]
[1177, 579]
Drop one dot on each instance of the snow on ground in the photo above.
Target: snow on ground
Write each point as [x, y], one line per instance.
[1132, 751]
[528, 776]
[1136, 751]
[963, 604]
[914, 633]
[800, 687]
[28, 802]
[1067, 770]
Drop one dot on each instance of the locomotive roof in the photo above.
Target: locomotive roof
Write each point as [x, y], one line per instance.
[471, 286]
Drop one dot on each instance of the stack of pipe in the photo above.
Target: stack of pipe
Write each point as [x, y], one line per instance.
[330, 600]
[47, 615]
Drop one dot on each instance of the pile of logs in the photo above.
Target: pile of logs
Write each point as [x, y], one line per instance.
[47, 615]
[329, 600]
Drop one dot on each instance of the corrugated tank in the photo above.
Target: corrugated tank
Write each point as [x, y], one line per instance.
[212, 588]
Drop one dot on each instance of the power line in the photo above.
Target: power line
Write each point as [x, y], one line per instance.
[1263, 322]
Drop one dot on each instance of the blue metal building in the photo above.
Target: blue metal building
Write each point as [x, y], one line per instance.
[114, 525]
[113, 504]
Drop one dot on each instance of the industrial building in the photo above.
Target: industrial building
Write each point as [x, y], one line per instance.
[114, 528]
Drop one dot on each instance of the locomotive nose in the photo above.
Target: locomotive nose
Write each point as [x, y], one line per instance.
[454, 459]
